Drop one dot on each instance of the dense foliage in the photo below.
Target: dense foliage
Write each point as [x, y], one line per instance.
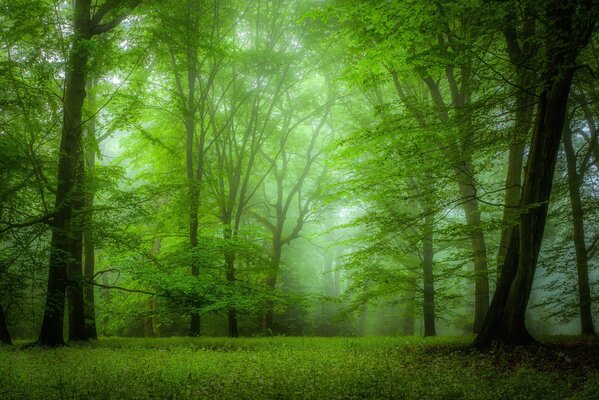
[298, 167]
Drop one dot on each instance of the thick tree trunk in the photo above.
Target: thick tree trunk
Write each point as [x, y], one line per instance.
[506, 319]
[51, 333]
[77, 328]
[582, 267]
[429, 279]
[4, 334]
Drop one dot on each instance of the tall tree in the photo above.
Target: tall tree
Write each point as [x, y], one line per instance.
[284, 198]
[568, 29]
[575, 181]
[85, 26]
[519, 34]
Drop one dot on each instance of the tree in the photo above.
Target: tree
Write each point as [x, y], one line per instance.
[4, 334]
[575, 181]
[85, 26]
[569, 27]
[282, 205]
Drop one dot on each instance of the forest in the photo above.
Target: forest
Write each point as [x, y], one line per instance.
[299, 199]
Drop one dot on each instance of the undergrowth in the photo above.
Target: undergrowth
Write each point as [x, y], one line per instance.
[288, 368]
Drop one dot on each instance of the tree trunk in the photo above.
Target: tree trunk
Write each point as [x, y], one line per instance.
[582, 268]
[328, 309]
[521, 52]
[409, 310]
[230, 275]
[150, 329]
[77, 327]
[427, 271]
[479, 248]
[194, 329]
[362, 319]
[513, 180]
[271, 284]
[148, 318]
[464, 173]
[505, 321]
[51, 333]
[4, 334]
[89, 264]
[106, 297]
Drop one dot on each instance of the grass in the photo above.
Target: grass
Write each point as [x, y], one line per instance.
[293, 368]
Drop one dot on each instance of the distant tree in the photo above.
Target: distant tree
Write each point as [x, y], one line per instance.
[4, 334]
[576, 176]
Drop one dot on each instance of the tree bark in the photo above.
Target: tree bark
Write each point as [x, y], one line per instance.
[230, 275]
[409, 309]
[194, 328]
[89, 250]
[51, 333]
[575, 179]
[429, 280]
[271, 284]
[77, 327]
[4, 334]
[465, 173]
[505, 321]
[513, 180]
[521, 52]
[107, 301]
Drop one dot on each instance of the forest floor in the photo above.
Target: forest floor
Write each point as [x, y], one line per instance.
[299, 368]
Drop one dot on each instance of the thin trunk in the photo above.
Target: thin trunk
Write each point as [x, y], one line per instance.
[328, 308]
[4, 334]
[479, 249]
[464, 173]
[232, 312]
[89, 250]
[51, 333]
[513, 180]
[106, 297]
[150, 305]
[363, 319]
[194, 329]
[427, 270]
[271, 283]
[409, 309]
[521, 53]
[148, 318]
[582, 267]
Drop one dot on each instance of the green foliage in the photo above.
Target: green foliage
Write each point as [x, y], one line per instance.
[306, 368]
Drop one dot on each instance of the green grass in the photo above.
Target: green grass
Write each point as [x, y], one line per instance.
[287, 368]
